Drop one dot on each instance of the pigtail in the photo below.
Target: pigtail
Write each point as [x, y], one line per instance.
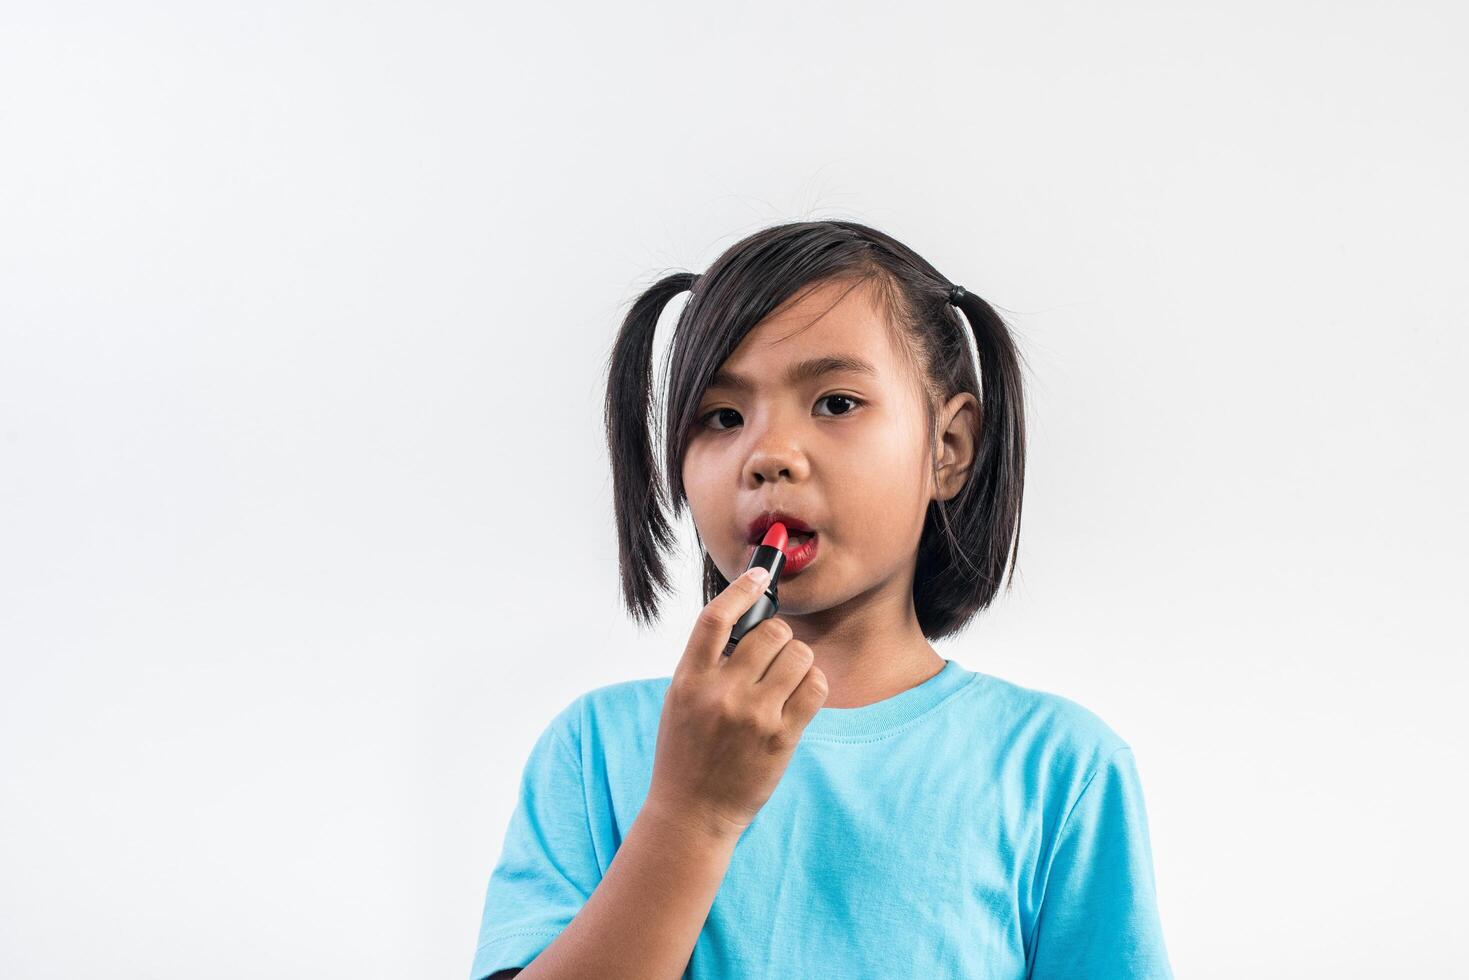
[999, 480]
[639, 498]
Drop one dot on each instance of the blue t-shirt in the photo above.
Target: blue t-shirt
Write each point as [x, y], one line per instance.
[966, 827]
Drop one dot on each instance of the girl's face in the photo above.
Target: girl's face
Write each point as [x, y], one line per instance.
[846, 450]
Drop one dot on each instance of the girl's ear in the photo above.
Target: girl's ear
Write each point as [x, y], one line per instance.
[958, 432]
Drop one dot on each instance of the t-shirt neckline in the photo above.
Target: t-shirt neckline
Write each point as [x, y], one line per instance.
[889, 713]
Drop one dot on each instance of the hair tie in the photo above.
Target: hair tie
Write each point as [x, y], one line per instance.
[956, 294]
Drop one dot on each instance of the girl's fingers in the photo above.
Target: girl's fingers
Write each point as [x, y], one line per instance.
[757, 650]
[788, 665]
[716, 620]
[805, 701]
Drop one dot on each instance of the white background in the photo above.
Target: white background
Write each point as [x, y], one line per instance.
[305, 520]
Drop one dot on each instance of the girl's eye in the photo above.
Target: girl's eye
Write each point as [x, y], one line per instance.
[723, 414]
[715, 414]
[841, 398]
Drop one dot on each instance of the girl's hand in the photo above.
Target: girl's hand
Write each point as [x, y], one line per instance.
[730, 724]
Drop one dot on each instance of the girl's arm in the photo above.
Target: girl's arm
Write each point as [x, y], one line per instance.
[726, 733]
[1099, 917]
[642, 920]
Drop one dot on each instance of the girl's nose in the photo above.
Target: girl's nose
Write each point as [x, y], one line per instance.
[770, 470]
[777, 455]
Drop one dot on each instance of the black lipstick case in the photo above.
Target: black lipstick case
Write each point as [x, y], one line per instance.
[772, 559]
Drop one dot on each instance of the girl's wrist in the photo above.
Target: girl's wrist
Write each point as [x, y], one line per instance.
[697, 824]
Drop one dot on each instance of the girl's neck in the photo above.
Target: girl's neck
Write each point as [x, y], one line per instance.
[870, 648]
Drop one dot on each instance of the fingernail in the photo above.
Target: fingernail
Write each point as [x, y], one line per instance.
[760, 575]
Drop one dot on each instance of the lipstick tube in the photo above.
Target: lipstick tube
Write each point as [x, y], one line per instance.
[770, 555]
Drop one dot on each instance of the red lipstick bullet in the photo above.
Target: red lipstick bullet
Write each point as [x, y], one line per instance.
[770, 555]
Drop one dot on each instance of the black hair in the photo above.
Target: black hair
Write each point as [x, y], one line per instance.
[967, 541]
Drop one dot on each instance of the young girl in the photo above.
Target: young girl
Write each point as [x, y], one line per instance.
[834, 798]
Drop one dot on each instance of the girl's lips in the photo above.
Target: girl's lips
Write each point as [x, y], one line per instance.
[800, 551]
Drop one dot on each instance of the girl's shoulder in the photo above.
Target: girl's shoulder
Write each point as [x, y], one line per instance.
[624, 696]
[613, 712]
[1048, 722]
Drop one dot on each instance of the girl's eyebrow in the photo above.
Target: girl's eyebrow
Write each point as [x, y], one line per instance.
[801, 371]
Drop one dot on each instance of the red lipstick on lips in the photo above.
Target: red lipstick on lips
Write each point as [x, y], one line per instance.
[770, 555]
[798, 554]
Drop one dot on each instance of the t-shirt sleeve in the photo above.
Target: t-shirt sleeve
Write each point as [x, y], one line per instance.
[1098, 917]
[548, 864]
